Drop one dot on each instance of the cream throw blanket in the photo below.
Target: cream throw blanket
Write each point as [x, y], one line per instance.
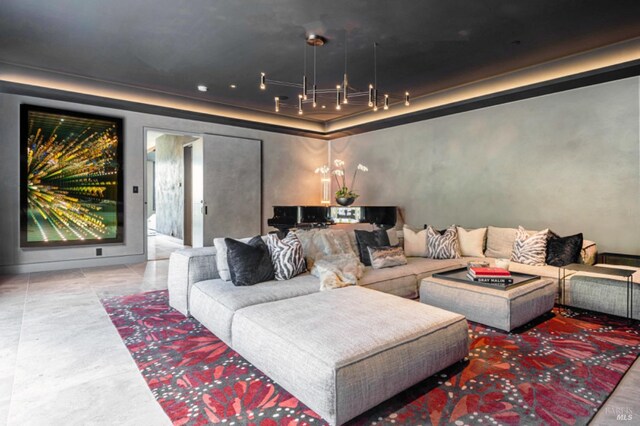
[331, 256]
[337, 271]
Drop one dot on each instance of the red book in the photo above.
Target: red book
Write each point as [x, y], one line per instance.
[479, 272]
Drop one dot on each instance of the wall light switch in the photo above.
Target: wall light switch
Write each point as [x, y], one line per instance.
[135, 189]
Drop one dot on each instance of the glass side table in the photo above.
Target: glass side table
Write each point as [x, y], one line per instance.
[627, 274]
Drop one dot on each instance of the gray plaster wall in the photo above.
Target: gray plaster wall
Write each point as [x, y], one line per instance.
[569, 161]
[169, 187]
[288, 164]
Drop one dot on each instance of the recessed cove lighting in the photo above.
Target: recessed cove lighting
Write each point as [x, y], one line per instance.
[202, 88]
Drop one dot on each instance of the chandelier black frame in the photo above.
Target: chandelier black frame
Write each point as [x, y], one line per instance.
[344, 94]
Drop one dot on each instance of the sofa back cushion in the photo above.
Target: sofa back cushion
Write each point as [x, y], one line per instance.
[471, 243]
[415, 242]
[500, 242]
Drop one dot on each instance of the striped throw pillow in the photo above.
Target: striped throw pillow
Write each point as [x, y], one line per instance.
[530, 250]
[442, 246]
[287, 256]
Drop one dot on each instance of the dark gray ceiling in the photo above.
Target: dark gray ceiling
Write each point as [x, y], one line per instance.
[424, 46]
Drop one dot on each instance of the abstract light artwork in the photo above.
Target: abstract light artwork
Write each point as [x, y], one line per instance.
[71, 178]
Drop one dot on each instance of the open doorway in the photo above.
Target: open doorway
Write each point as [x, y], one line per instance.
[168, 192]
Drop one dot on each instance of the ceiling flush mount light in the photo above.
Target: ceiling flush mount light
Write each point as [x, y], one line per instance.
[202, 88]
[343, 94]
[232, 86]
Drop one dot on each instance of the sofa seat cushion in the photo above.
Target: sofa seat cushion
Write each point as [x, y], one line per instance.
[399, 281]
[344, 351]
[214, 302]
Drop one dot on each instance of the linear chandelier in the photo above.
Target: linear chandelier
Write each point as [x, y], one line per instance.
[342, 94]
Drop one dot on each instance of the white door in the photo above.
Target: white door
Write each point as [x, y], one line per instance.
[197, 194]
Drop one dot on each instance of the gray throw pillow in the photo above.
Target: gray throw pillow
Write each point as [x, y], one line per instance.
[249, 263]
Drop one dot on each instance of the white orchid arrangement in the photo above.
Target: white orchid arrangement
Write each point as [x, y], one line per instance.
[339, 172]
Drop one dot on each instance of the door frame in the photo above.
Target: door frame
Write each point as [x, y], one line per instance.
[145, 133]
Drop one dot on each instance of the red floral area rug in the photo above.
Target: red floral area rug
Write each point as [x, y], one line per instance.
[558, 370]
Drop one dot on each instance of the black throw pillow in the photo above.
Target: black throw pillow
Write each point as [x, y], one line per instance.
[562, 251]
[249, 263]
[366, 239]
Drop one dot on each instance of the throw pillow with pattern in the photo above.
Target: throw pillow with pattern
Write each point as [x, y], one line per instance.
[530, 250]
[442, 245]
[287, 256]
[386, 257]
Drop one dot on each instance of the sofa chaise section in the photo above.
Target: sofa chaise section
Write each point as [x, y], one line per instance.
[341, 352]
[214, 302]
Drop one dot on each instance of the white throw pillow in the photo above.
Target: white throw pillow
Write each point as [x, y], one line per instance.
[221, 256]
[471, 243]
[415, 243]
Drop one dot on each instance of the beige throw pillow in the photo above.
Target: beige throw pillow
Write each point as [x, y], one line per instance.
[500, 242]
[415, 243]
[471, 243]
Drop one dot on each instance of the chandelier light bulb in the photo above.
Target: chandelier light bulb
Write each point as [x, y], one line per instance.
[277, 99]
[304, 87]
[386, 101]
[370, 95]
[263, 81]
[299, 104]
[406, 98]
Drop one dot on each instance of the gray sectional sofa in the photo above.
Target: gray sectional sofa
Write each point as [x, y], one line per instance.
[341, 351]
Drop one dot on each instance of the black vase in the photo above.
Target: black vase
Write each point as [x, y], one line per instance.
[345, 201]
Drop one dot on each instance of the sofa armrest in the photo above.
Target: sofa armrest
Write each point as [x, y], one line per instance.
[187, 267]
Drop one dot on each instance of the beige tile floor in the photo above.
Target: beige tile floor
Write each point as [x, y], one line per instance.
[63, 363]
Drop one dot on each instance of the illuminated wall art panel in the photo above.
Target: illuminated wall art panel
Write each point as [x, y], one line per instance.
[71, 178]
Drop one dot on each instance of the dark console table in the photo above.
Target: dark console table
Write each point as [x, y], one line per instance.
[288, 217]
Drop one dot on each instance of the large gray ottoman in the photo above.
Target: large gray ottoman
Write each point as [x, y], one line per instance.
[503, 309]
[344, 351]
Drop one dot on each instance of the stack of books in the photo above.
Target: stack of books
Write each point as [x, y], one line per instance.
[486, 275]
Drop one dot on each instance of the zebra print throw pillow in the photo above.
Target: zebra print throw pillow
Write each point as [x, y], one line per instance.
[287, 256]
[530, 250]
[386, 257]
[442, 246]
